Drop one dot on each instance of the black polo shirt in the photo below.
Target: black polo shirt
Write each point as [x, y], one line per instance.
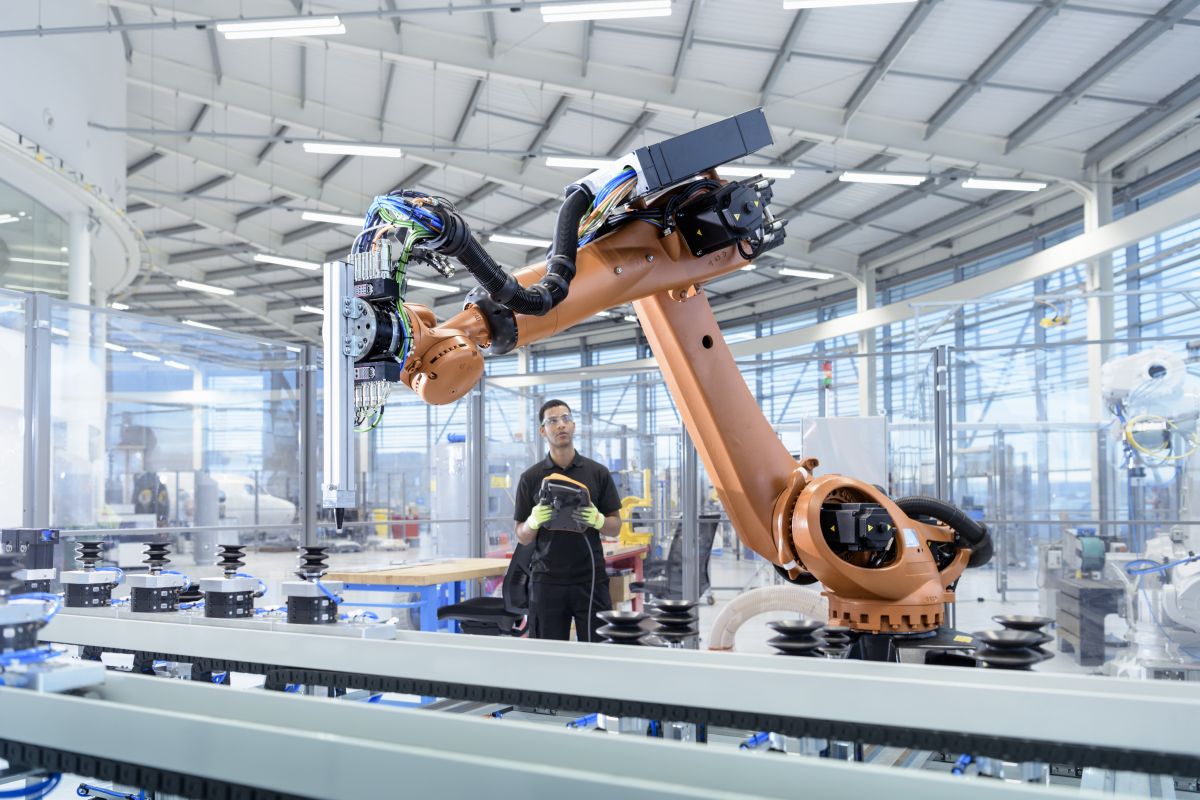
[562, 556]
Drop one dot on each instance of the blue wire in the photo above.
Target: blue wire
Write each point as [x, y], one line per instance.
[755, 740]
[120, 573]
[1155, 566]
[45, 597]
[31, 656]
[187, 580]
[108, 792]
[262, 585]
[330, 594]
[37, 790]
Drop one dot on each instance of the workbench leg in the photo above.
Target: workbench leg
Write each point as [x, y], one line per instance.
[429, 598]
[639, 574]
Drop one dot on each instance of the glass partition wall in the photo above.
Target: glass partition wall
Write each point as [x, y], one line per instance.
[203, 437]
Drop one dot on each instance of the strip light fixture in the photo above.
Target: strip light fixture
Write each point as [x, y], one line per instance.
[749, 267]
[618, 9]
[191, 323]
[742, 171]
[43, 261]
[144, 356]
[6, 218]
[577, 162]
[631, 318]
[118, 306]
[999, 184]
[176, 364]
[352, 149]
[805, 273]
[890, 178]
[263, 258]
[204, 287]
[290, 26]
[798, 4]
[417, 283]
[116, 348]
[522, 241]
[336, 219]
[313, 310]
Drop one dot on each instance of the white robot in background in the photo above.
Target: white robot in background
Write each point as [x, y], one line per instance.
[1156, 405]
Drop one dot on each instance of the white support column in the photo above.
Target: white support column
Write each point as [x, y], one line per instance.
[79, 273]
[867, 374]
[1097, 212]
[528, 434]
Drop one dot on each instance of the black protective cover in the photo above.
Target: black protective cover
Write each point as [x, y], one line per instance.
[667, 163]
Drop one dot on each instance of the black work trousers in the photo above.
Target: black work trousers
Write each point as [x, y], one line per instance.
[553, 606]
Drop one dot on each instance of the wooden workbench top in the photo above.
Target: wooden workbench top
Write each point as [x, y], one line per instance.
[459, 569]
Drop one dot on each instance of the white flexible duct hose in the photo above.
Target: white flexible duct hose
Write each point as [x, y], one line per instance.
[806, 601]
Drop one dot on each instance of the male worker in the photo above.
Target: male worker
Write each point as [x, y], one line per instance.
[567, 583]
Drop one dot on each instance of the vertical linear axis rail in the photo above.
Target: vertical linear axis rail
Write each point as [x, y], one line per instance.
[338, 490]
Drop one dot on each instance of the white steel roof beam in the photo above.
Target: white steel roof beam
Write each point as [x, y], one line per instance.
[784, 54]
[890, 53]
[699, 100]
[1131, 46]
[900, 201]
[1174, 111]
[993, 63]
[685, 41]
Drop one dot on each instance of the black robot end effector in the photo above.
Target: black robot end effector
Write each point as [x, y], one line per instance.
[455, 240]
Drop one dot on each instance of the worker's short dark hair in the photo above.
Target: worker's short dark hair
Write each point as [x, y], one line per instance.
[548, 405]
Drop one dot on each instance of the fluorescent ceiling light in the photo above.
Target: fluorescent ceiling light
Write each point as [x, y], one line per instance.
[292, 348]
[263, 258]
[116, 348]
[742, 171]
[351, 149]
[295, 26]
[118, 306]
[577, 162]
[631, 318]
[144, 356]
[437, 287]
[892, 178]
[8, 218]
[176, 365]
[336, 219]
[43, 261]
[202, 325]
[59, 332]
[805, 273]
[620, 9]
[749, 267]
[313, 310]
[1000, 184]
[793, 4]
[524, 241]
[204, 287]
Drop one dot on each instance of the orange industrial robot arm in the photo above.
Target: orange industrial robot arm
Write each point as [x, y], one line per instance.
[887, 566]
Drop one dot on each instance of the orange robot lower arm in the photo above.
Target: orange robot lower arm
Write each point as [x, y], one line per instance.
[774, 503]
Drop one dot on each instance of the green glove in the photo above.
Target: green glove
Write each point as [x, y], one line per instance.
[538, 516]
[590, 515]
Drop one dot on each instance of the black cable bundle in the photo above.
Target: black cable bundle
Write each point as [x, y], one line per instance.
[455, 240]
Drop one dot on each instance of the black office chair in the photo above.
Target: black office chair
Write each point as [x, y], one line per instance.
[664, 577]
[497, 616]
